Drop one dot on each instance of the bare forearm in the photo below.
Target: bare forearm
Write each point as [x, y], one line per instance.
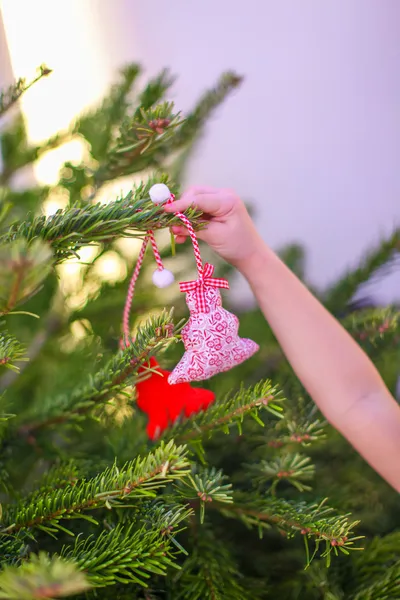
[337, 374]
[329, 363]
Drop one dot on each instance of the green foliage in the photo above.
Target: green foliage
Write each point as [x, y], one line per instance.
[106, 383]
[90, 507]
[73, 228]
[125, 554]
[342, 291]
[23, 267]
[42, 577]
[11, 351]
[10, 96]
[113, 487]
[202, 576]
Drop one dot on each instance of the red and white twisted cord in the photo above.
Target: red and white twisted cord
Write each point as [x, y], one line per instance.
[193, 237]
[131, 292]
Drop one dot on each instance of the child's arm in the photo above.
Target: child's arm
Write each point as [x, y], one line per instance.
[337, 374]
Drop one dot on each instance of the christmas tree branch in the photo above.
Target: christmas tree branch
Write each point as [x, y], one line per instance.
[316, 522]
[199, 116]
[210, 572]
[11, 351]
[23, 267]
[15, 91]
[97, 126]
[291, 468]
[230, 411]
[53, 324]
[337, 297]
[111, 488]
[374, 329]
[109, 381]
[24, 154]
[131, 553]
[42, 577]
[70, 229]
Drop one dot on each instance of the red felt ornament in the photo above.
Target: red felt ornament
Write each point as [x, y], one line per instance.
[165, 403]
[162, 402]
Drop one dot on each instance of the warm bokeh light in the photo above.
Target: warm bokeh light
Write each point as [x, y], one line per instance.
[64, 36]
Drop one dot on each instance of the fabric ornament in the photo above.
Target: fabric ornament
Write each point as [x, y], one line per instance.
[210, 337]
[165, 403]
[162, 402]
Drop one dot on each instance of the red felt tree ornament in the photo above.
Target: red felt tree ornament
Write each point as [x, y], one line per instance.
[162, 402]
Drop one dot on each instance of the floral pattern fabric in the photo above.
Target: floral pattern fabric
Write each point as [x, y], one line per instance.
[211, 341]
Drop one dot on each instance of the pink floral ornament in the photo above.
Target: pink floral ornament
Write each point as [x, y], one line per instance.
[210, 337]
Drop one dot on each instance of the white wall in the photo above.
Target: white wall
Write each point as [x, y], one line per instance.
[313, 135]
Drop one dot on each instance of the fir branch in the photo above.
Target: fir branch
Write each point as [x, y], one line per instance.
[52, 325]
[318, 523]
[139, 478]
[231, 411]
[376, 572]
[57, 477]
[210, 572]
[130, 554]
[188, 135]
[337, 297]
[385, 587]
[42, 577]
[106, 383]
[70, 229]
[196, 120]
[292, 468]
[23, 267]
[374, 328]
[208, 485]
[9, 97]
[154, 91]
[140, 139]
[13, 549]
[98, 124]
[11, 351]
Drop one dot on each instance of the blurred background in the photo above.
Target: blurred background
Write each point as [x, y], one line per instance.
[311, 138]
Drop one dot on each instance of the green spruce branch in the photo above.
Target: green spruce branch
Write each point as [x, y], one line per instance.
[70, 229]
[11, 351]
[338, 296]
[230, 412]
[121, 370]
[10, 96]
[317, 523]
[98, 125]
[210, 572]
[295, 469]
[196, 120]
[139, 478]
[132, 553]
[23, 268]
[374, 328]
[42, 577]
[206, 485]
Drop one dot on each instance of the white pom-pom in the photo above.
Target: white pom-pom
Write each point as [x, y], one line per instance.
[162, 279]
[159, 193]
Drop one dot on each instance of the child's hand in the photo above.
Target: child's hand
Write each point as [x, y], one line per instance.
[229, 231]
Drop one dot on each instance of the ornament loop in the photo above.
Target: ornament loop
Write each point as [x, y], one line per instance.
[206, 280]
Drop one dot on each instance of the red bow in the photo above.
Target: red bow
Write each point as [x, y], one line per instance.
[200, 285]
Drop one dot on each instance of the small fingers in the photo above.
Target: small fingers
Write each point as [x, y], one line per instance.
[207, 203]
